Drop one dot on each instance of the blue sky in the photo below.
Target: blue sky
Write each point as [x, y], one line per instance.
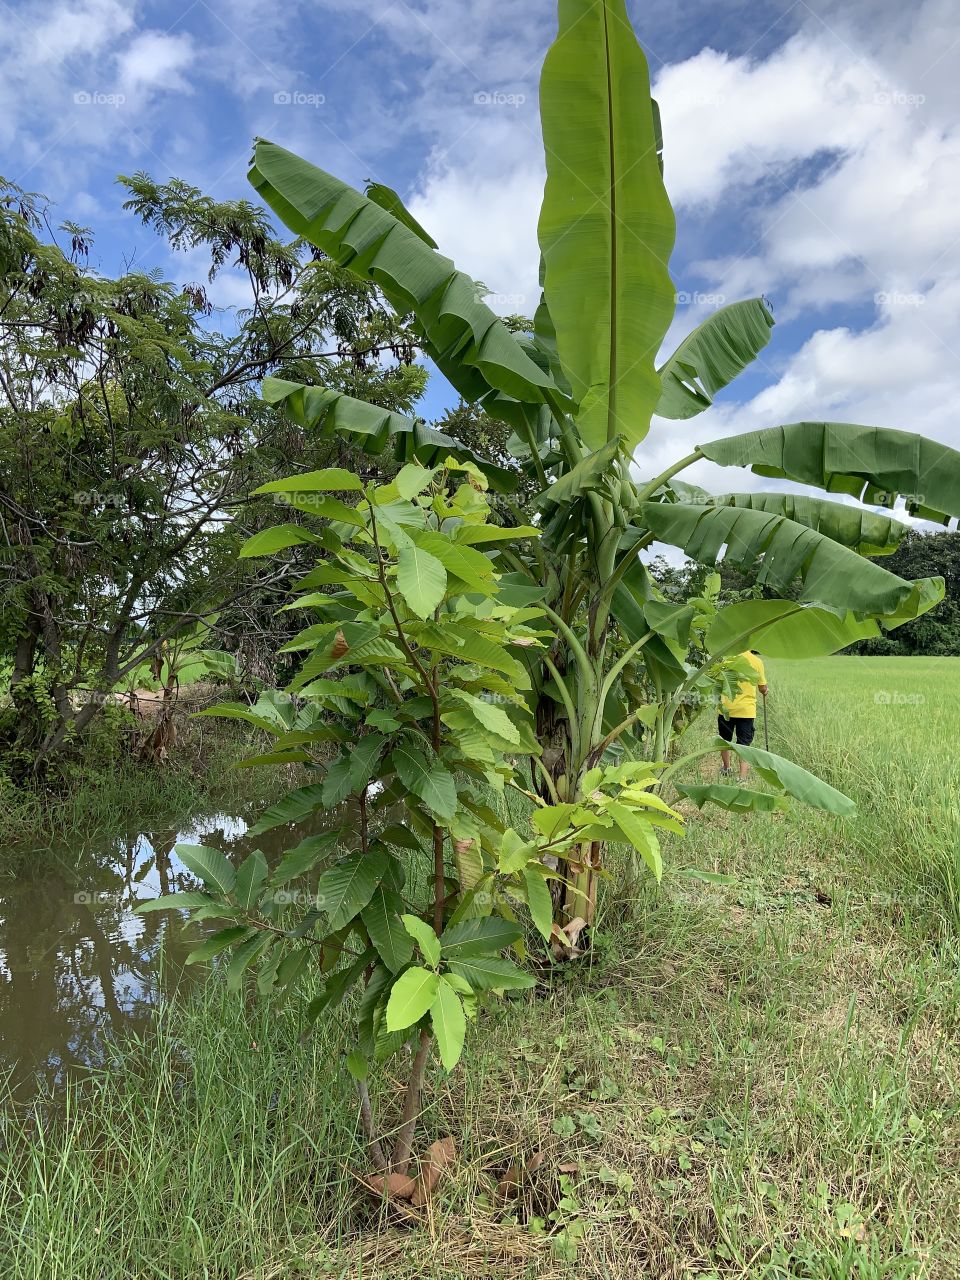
[812, 154]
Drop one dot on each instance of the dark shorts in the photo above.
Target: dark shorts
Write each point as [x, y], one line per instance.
[744, 727]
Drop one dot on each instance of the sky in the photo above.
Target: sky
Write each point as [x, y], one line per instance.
[812, 154]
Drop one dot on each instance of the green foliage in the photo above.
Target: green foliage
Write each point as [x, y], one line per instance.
[409, 670]
[131, 421]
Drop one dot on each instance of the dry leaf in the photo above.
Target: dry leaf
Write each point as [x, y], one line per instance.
[395, 1186]
[440, 1155]
[340, 645]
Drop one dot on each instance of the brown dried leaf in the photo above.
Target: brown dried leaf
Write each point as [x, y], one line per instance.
[508, 1188]
[395, 1186]
[440, 1155]
[340, 645]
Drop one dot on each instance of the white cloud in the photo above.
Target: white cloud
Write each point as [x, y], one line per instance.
[155, 60]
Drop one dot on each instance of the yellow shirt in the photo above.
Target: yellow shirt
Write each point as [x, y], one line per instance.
[744, 705]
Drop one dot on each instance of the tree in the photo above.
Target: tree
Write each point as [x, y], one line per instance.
[412, 678]
[581, 391]
[131, 426]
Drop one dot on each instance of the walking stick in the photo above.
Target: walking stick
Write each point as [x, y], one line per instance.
[766, 730]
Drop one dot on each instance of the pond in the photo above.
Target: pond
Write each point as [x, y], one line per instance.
[77, 967]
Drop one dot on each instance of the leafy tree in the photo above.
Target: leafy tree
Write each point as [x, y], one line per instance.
[131, 426]
[411, 677]
[581, 391]
[938, 632]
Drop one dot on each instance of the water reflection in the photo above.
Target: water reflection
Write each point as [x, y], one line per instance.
[76, 965]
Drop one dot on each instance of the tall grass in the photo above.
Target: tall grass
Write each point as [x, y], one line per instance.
[885, 730]
[755, 1077]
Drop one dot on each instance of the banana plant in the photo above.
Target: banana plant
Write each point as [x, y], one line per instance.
[581, 390]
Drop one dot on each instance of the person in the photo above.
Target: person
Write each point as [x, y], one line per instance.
[738, 715]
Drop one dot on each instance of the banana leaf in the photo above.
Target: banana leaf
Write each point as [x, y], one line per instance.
[372, 428]
[467, 341]
[606, 227]
[712, 356]
[875, 464]
[783, 550]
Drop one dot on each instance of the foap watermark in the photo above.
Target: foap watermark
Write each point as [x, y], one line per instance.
[93, 498]
[896, 698]
[298, 898]
[498, 98]
[502, 299]
[298, 98]
[97, 98]
[95, 897]
[888, 498]
[898, 98]
[695, 299]
[894, 298]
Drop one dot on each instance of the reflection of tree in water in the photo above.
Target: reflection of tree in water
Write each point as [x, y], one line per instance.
[74, 972]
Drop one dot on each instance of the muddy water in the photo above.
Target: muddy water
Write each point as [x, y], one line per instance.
[76, 965]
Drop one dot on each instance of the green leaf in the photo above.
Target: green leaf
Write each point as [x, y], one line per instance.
[595, 473]
[793, 779]
[237, 711]
[330, 479]
[430, 781]
[294, 807]
[336, 782]
[784, 629]
[338, 985]
[345, 888]
[426, 938]
[863, 531]
[174, 901]
[356, 1064]
[330, 415]
[470, 345]
[479, 534]
[251, 876]
[491, 973]
[638, 832]
[410, 997]
[733, 798]
[245, 955]
[606, 226]
[421, 580]
[305, 856]
[219, 942]
[388, 199]
[490, 716]
[208, 865]
[280, 536]
[539, 901]
[874, 464]
[470, 566]
[478, 937]
[669, 619]
[711, 356]
[412, 479]
[449, 1024]
[381, 916]
[784, 550]
[364, 758]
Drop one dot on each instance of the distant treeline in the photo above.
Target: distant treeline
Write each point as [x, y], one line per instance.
[920, 555]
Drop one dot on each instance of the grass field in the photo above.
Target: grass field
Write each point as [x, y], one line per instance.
[757, 1076]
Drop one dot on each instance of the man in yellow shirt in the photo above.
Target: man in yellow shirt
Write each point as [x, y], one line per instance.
[738, 715]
